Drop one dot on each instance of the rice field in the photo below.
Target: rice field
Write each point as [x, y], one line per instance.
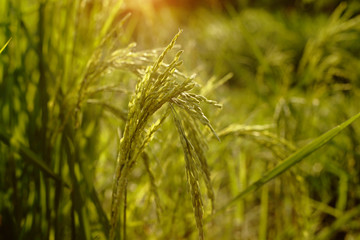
[169, 119]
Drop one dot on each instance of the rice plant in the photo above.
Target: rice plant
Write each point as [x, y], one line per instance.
[151, 93]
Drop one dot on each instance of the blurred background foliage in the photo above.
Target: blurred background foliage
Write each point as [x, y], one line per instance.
[285, 72]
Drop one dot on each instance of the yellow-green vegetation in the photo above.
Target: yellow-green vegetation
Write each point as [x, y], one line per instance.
[2, 49]
[107, 130]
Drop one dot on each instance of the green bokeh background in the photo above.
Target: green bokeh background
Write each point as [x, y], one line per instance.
[284, 71]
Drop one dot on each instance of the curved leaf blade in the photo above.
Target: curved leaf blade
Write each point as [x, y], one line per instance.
[29, 155]
[7, 43]
[292, 160]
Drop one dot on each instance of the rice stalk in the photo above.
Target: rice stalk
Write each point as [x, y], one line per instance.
[192, 175]
[196, 138]
[151, 93]
[161, 84]
[324, 56]
[261, 134]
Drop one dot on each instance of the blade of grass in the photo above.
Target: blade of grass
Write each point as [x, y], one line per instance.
[32, 157]
[2, 49]
[80, 221]
[111, 17]
[292, 160]
[103, 219]
[340, 223]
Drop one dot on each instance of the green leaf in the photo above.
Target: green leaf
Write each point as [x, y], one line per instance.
[29, 155]
[2, 49]
[292, 160]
